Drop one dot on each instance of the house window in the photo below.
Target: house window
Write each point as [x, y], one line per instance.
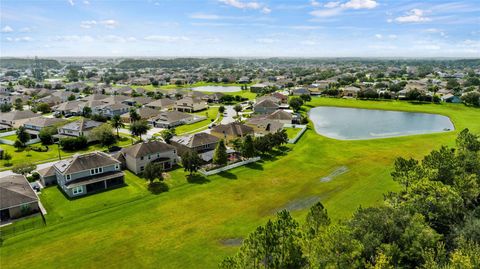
[149, 157]
[77, 190]
[100, 169]
[68, 177]
[117, 167]
[141, 158]
[92, 172]
[142, 168]
[158, 155]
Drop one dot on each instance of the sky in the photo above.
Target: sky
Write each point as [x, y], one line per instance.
[240, 28]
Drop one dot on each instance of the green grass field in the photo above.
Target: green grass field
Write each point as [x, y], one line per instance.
[23, 155]
[10, 137]
[184, 227]
[210, 113]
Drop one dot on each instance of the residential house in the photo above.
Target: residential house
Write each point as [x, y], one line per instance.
[70, 108]
[450, 98]
[170, 119]
[15, 119]
[17, 198]
[161, 104]
[137, 156]
[231, 131]
[109, 110]
[48, 176]
[262, 125]
[351, 91]
[300, 91]
[266, 106]
[35, 125]
[145, 113]
[88, 173]
[190, 104]
[199, 142]
[281, 116]
[81, 127]
[138, 101]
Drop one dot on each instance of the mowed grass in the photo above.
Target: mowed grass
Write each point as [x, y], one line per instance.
[24, 155]
[210, 114]
[183, 227]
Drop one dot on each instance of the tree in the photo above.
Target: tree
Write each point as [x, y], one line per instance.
[46, 135]
[72, 97]
[87, 112]
[5, 108]
[306, 97]
[468, 141]
[220, 156]
[153, 171]
[23, 168]
[117, 123]
[237, 109]
[22, 135]
[7, 157]
[72, 75]
[317, 219]
[168, 134]
[43, 108]
[18, 104]
[191, 161]
[471, 98]
[104, 134]
[275, 245]
[139, 128]
[221, 109]
[296, 103]
[134, 116]
[406, 171]
[248, 147]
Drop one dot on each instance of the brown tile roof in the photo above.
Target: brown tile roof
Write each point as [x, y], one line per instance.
[165, 102]
[44, 122]
[233, 129]
[14, 191]
[147, 148]
[17, 115]
[266, 103]
[280, 115]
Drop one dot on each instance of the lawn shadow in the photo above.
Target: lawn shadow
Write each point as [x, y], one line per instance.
[255, 166]
[158, 187]
[227, 174]
[197, 179]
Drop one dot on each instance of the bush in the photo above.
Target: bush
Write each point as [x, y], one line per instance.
[39, 149]
[76, 143]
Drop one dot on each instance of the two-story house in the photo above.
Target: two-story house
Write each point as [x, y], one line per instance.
[137, 156]
[35, 125]
[190, 104]
[199, 142]
[81, 127]
[15, 119]
[88, 173]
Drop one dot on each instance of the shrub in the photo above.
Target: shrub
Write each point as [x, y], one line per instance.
[76, 143]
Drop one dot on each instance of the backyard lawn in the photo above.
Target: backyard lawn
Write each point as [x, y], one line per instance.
[24, 155]
[186, 226]
[292, 132]
[210, 113]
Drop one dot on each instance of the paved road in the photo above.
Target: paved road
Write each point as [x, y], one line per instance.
[228, 115]
[39, 166]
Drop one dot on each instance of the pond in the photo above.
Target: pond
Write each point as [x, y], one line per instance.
[217, 89]
[355, 124]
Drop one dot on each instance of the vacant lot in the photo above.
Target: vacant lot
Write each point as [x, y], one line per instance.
[191, 225]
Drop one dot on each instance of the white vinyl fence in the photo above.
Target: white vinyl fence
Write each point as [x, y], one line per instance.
[228, 167]
[296, 126]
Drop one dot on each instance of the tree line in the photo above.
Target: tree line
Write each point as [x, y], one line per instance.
[432, 222]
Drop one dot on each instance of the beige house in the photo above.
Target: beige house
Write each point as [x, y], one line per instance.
[15, 119]
[17, 198]
[232, 131]
[137, 156]
[190, 104]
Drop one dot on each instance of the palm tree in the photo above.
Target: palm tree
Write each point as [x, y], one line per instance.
[237, 108]
[139, 128]
[117, 123]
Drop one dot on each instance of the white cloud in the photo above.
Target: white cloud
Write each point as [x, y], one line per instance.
[332, 4]
[86, 2]
[335, 8]
[360, 4]
[308, 42]
[88, 24]
[19, 39]
[378, 36]
[392, 36]
[6, 29]
[164, 38]
[326, 12]
[266, 40]
[204, 16]
[117, 39]
[415, 16]
[71, 2]
[109, 23]
[25, 30]
[73, 38]
[315, 3]
[247, 5]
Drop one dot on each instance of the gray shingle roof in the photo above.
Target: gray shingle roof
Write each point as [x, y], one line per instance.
[195, 140]
[14, 191]
[147, 148]
[85, 162]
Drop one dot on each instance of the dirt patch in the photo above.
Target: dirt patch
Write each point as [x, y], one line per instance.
[300, 204]
[339, 171]
[232, 242]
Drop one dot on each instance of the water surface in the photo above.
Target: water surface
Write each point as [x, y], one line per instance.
[355, 123]
[217, 89]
